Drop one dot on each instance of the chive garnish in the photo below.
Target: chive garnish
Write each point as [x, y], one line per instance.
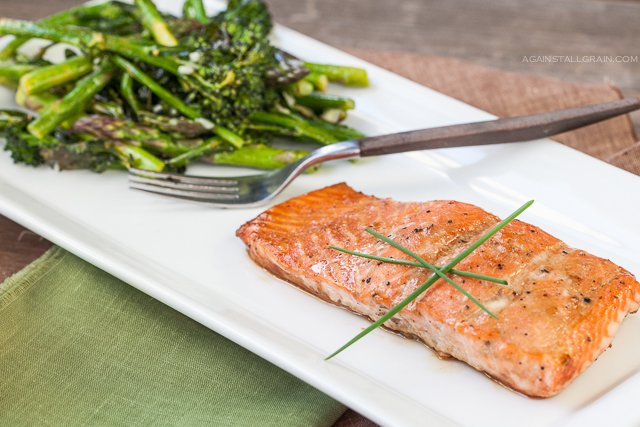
[417, 264]
[427, 284]
[431, 267]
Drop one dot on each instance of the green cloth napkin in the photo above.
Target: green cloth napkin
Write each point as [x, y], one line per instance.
[80, 347]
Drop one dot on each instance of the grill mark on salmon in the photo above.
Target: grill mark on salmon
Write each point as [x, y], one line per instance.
[559, 312]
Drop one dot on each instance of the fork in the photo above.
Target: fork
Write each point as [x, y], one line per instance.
[255, 190]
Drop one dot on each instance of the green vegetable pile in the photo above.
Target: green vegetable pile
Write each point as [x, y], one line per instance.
[138, 88]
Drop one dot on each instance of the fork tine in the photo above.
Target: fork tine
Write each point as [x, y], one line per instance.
[183, 186]
[187, 179]
[185, 194]
[239, 191]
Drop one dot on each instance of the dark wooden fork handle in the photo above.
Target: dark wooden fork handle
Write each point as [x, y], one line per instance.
[510, 129]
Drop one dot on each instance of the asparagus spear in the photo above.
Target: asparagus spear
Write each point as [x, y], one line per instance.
[337, 132]
[10, 48]
[107, 108]
[36, 101]
[350, 76]
[318, 80]
[194, 9]
[70, 16]
[161, 92]
[300, 88]
[153, 21]
[229, 136]
[126, 88]
[333, 115]
[45, 78]
[256, 156]
[340, 132]
[75, 36]
[295, 126]
[90, 41]
[114, 129]
[174, 125]
[42, 101]
[137, 157]
[321, 101]
[10, 73]
[75, 100]
[195, 153]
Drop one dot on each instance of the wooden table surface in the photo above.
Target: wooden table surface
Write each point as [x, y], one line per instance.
[497, 33]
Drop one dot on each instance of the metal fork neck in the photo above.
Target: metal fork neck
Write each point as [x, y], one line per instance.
[340, 150]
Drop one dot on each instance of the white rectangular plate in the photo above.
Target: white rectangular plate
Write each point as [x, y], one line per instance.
[187, 256]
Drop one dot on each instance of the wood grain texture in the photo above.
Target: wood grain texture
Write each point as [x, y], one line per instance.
[18, 247]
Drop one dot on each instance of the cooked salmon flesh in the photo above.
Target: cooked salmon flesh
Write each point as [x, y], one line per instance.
[559, 312]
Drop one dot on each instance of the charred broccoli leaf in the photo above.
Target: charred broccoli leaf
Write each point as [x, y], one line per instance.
[94, 155]
[24, 147]
[61, 149]
[247, 22]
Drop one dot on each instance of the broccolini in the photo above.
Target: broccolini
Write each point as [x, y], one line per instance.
[153, 91]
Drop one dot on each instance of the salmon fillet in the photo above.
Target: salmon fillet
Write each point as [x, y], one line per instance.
[559, 312]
